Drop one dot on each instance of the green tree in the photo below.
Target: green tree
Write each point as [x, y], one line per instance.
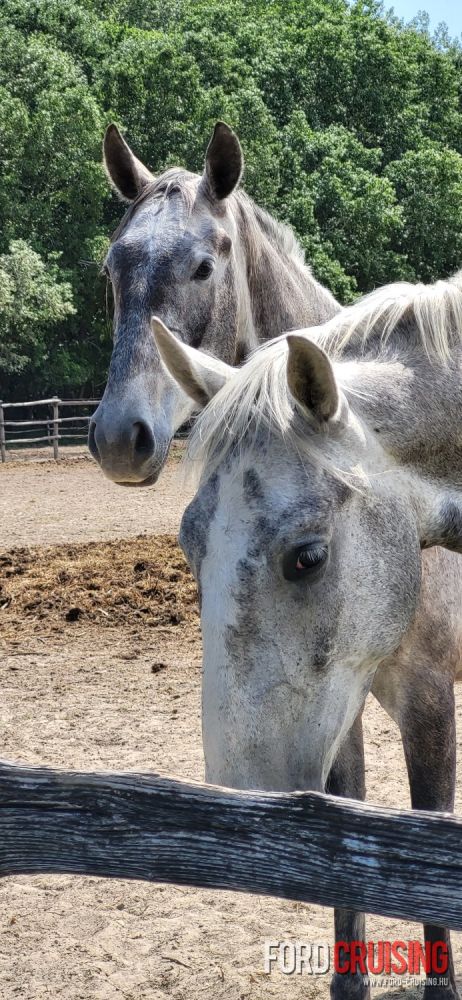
[32, 301]
[351, 124]
[428, 183]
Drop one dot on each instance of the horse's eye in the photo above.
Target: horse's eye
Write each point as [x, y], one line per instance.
[304, 561]
[203, 271]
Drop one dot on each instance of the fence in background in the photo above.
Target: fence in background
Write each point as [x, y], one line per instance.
[56, 428]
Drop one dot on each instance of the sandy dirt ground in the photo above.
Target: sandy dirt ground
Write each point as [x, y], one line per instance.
[118, 691]
[44, 502]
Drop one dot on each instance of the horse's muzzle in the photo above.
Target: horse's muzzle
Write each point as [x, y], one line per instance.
[126, 446]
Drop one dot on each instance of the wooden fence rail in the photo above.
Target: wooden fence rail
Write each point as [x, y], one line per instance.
[304, 846]
[52, 422]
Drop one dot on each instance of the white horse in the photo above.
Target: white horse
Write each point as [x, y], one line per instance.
[328, 462]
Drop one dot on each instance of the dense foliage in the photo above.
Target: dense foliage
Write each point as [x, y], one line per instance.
[351, 125]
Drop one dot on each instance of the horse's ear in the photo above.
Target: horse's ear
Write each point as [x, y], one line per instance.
[198, 374]
[127, 174]
[224, 162]
[311, 378]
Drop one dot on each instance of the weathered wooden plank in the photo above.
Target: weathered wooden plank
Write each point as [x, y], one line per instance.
[29, 402]
[27, 423]
[305, 846]
[46, 402]
[56, 429]
[80, 402]
[45, 420]
[67, 420]
[2, 434]
[80, 433]
[28, 440]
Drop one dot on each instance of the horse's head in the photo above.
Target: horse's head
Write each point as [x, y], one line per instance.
[305, 543]
[172, 255]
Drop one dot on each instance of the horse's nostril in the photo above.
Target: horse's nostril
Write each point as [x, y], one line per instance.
[123, 448]
[92, 439]
[143, 441]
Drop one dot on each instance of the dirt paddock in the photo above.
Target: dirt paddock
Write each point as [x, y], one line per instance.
[100, 660]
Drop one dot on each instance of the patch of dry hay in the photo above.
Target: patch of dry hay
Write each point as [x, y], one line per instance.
[143, 581]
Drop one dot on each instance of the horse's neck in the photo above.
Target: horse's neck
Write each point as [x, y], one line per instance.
[412, 409]
[280, 292]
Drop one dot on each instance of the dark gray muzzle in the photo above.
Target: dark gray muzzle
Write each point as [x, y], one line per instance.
[123, 443]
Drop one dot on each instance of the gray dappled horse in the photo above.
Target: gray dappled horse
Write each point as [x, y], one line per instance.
[228, 298]
[217, 269]
[328, 462]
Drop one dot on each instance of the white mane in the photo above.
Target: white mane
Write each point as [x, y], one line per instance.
[258, 396]
[255, 397]
[434, 312]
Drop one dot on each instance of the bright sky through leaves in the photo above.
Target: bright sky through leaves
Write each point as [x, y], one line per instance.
[449, 11]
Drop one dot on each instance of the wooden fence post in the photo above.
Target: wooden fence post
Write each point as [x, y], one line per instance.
[2, 433]
[56, 403]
